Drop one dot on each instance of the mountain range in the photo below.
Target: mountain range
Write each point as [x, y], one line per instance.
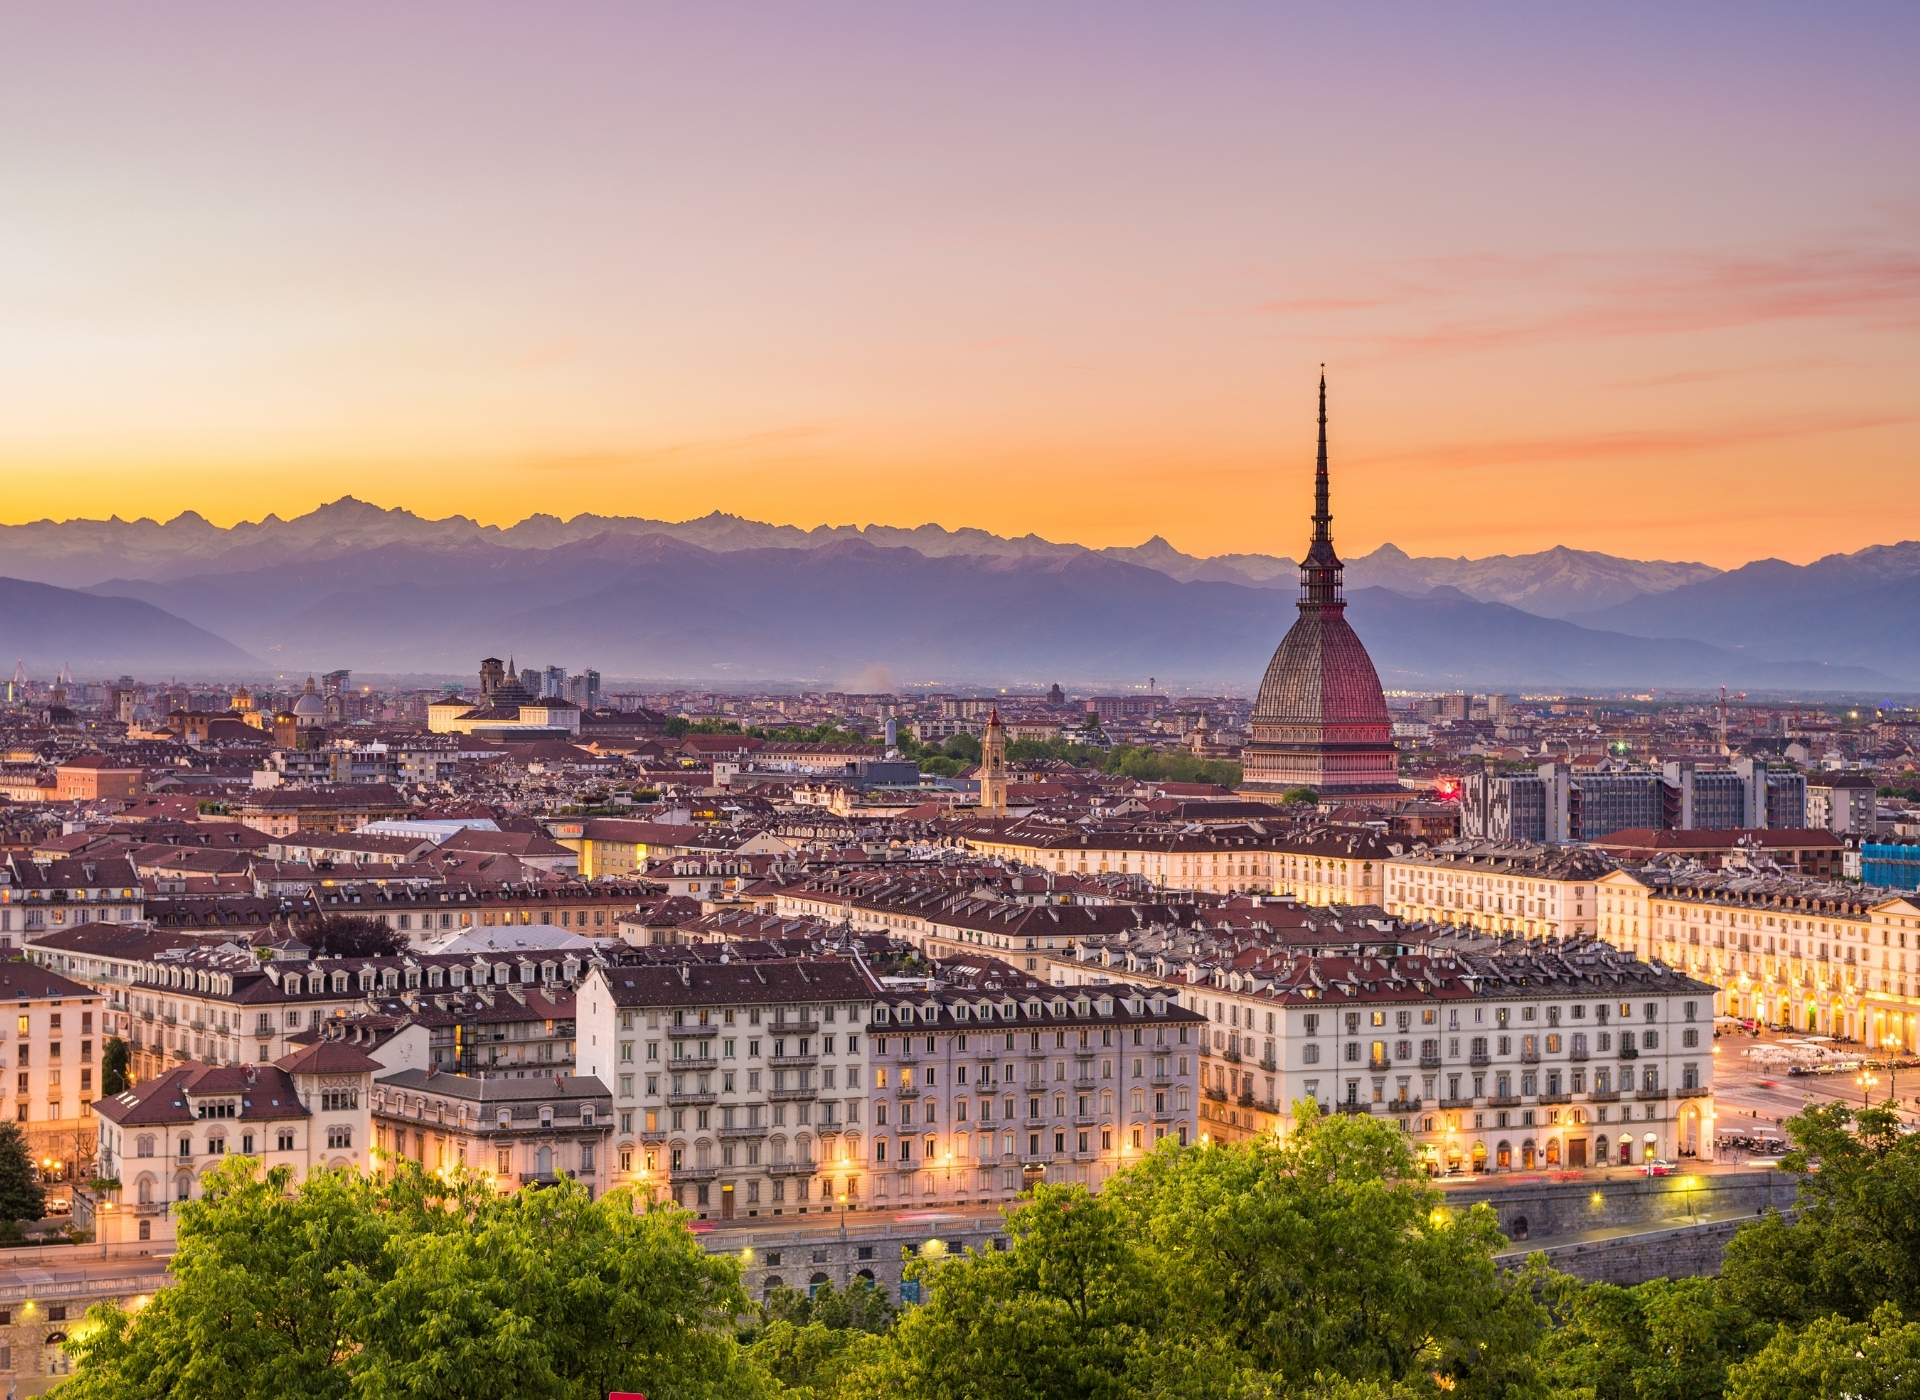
[723, 598]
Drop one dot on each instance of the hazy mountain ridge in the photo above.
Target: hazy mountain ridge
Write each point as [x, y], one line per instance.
[46, 627]
[78, 553]
[1845, 607]
[652, 605]
[357, 585]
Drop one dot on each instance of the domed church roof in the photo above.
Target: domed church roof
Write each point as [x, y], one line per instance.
[1320, 720]
[310, 707]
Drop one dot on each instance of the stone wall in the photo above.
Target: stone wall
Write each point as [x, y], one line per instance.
[1541, 1210]
[1688, 1251]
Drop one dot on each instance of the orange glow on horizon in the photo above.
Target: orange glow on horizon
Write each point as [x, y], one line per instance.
[1573, 286]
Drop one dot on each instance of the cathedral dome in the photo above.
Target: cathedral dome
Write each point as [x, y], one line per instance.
[1320, 720]
[310, 709]
[1321, 673]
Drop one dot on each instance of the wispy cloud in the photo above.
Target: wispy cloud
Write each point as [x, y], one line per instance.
[1493, 302]
[1631, 443]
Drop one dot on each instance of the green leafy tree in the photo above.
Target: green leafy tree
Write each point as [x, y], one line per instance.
[1856, 1242]
[20, 1195]
[1302, 795]
[1664, 1340]
[1321, 1264]
[1834, 1359]
[421, 1288]
[115, 1058]
[812, 1345]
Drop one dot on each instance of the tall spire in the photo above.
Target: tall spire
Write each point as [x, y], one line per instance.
[1322, 517]
[1321, 572]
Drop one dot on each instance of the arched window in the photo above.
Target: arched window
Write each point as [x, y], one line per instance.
[817, 1282]
[774, 1281]
[144, 1191]
[543, 1161]
[143, 1146]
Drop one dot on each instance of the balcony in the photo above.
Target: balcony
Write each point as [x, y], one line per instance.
[906, 1091]
[1627, 1052]
[1479, 1059]
[1232, 1057]
[1216, 1094]
[698, 1098]
[793, 1095]
[1503, 1100]
[800, 1168]
[1355, 1110]
[692, 1032]
[1604, 1096]
[790, 1028]
[1403, 1105]
[1649, 1093]
[1456, 1103]
[1429, 1062]
[1529, 1057]
[1577, 1053]
[1269, 1064]
[731, 1134]
[793, 1061]
[1384, 1062]
[1162, 1081]
[1695, 1093]
[1556, 1098]
[695, 1173]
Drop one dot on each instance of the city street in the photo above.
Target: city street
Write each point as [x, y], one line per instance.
[1753, 1097]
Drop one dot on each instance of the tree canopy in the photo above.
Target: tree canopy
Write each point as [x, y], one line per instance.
[351, 936]
[1319, 1265]
[20, 1195]
[349, 1285]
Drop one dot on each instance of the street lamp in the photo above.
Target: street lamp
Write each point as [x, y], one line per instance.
[1866, 1079]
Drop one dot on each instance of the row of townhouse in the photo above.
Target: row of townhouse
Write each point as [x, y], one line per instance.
[1795, 951]
[37, 894]
[424, 914]
[1322, 865]
[1809, 955]
[943, 922]
[175, 999]
[751, 1088]
[1492, 1053]
[1521, 888]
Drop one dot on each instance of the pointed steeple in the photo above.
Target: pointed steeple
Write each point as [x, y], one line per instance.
[1321, 572]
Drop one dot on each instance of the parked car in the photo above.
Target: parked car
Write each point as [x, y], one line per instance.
[1660, 1166]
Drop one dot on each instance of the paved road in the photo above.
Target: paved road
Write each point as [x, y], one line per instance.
[1751, 1097]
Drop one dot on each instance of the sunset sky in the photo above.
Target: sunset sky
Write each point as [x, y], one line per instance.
[1643, 279]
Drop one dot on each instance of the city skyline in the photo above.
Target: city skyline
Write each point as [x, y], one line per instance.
[1069, 274]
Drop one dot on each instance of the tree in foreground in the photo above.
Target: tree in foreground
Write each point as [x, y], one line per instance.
[21, 1197]
[352, 1286]
[1856, 1241]
[1834, 1358]
[1318, 1265]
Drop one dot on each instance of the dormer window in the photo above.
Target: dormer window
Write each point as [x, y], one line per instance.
[586, 1117]
[546, 1117]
